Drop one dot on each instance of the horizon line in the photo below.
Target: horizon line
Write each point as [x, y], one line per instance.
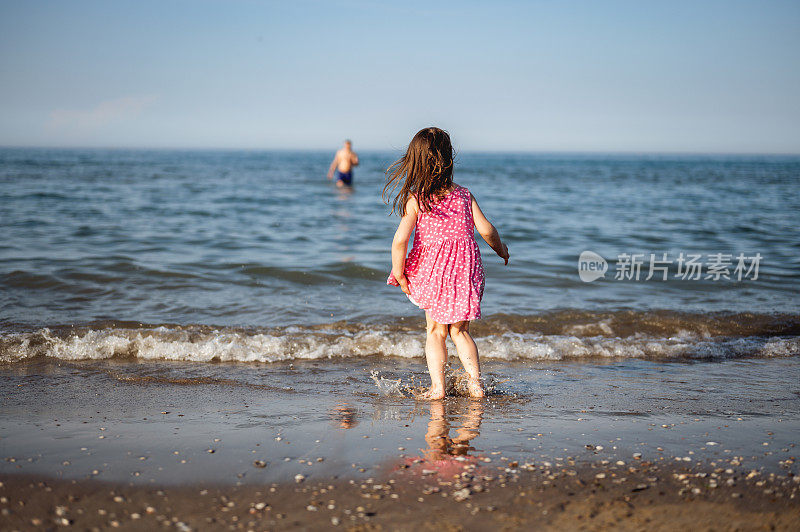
[377, 150]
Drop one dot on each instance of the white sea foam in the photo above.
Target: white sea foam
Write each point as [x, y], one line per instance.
[234, 345]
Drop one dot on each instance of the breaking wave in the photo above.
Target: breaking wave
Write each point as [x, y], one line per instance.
[554, 336]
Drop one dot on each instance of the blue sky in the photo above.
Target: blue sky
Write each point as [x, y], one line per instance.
[699, 76]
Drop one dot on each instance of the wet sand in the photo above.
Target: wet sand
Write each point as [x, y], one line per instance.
[629, 444]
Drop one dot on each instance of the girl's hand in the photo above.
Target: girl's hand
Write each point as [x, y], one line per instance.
[401, 279]
[504, 253]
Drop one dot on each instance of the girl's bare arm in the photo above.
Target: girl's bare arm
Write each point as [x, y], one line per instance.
[400, 243]
[488, 231]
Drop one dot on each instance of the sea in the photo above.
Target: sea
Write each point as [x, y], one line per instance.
[254, 256]
[245, 293]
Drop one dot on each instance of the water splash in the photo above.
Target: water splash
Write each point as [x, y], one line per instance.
[456, 384]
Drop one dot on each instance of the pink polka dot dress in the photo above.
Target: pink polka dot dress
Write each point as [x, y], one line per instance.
[444, 268]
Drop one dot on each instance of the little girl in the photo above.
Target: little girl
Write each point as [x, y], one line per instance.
[443, 274]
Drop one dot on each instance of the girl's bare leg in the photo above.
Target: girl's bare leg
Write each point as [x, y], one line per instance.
[471, 423]
[468, 353]
[438, 428]
[436, 354]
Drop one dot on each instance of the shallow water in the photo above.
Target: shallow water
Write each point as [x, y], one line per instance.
[156, 422]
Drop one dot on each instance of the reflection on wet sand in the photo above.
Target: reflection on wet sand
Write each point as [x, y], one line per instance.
[440, 444]
[344, 415]
[446, 455]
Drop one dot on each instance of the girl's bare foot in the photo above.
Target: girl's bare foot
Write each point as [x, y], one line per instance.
[433, 395]
[475, 388]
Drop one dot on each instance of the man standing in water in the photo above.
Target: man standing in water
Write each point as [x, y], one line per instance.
[343, 162]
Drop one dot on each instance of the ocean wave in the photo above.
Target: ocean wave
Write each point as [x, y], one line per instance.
[511, 338]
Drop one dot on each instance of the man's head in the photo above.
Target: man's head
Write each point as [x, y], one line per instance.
[348, 144]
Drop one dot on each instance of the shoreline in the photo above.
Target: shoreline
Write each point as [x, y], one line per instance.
[589, 496]
[624, 445]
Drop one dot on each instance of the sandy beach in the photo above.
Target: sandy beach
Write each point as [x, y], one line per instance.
[599, 495]
[102, 445]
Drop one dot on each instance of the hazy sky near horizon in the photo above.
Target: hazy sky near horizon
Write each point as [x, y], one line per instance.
[688, 76]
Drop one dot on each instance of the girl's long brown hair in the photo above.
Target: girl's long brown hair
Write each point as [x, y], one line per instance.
[425, 170]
